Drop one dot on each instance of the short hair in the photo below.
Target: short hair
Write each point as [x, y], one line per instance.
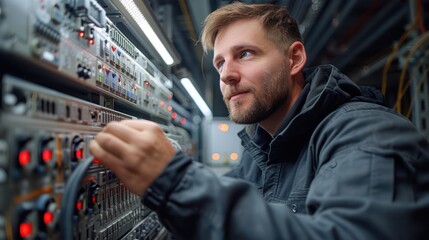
[279, 25]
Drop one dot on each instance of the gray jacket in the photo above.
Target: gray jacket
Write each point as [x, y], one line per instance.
[342, 166]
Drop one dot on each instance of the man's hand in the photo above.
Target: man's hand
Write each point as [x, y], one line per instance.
[136, 150]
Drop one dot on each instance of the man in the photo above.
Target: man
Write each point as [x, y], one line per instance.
[323, 158]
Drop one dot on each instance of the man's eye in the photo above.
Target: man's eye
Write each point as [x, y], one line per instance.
[245, 54]
[219, 65]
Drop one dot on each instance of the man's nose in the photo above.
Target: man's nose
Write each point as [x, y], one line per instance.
[230, 73]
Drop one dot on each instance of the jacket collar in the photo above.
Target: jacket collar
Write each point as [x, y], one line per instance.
[326, 89]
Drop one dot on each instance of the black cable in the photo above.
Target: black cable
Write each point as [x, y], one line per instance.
[69, 198]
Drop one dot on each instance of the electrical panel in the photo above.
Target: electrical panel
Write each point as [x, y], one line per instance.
[66, 72]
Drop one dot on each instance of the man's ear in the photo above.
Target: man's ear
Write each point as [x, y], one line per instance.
[297, 58]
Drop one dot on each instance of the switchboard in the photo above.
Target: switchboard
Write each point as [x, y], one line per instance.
[66, 72]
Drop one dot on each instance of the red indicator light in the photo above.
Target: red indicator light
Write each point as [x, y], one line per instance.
[91, 41]
[25, 229]
[183, 121]
[81, 34]
[162, 103]
[94, 199]
[170, 108]
[48, 218]
[96, 161]
[146, 83]
[79, 153]
[79, 205]
[24, 157]
[174, 115]
[47, 155]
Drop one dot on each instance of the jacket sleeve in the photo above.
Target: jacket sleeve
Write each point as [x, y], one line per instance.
[371, 182]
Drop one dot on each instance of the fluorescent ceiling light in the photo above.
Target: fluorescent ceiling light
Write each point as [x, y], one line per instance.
[147, 29]
[196, 97]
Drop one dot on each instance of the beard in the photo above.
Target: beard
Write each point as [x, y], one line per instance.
[265, 101]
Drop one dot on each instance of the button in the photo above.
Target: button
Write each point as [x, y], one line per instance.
[294, 208]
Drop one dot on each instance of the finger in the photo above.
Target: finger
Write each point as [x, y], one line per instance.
[106, 158]
[113, 145]
[138, 134]
[121, 131]
[109, 161]
[141, 124]
[149, 130]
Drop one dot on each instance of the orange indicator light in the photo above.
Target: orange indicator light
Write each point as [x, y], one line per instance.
[216, 156]
[233, 156]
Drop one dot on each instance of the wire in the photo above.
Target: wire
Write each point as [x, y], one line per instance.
[417, 88]
[69, 198]
[415, 69]
[421, 41]
[419, 9]
[392, 55]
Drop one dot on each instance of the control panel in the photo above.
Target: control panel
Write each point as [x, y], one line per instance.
[44, 136]
[66, 72]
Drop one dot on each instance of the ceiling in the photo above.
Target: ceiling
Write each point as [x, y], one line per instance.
[355, 35]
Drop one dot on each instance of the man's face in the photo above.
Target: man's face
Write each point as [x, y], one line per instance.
[254, 78]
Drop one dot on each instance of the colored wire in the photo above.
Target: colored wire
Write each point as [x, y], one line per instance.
[419, 43]
[417, 88]
[392, 55]
[423, 61]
